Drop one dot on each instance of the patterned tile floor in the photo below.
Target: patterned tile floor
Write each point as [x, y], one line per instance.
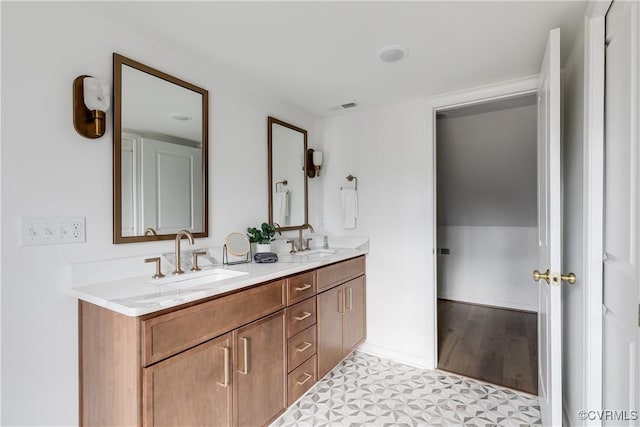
[365, 390]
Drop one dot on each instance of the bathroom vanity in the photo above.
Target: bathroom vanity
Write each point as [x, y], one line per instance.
[237, 357]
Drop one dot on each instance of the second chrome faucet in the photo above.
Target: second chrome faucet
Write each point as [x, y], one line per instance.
[301, 241]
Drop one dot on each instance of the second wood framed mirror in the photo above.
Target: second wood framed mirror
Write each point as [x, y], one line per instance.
[288, 203]
[160, 154]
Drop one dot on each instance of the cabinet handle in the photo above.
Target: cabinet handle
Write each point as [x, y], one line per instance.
[225, 350]
[341, 301]
[309, 376]
[303, 347]
[302, 288]
[304, 316]
[350, 305]
[245, 348]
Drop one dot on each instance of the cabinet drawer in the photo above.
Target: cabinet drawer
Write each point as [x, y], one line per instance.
[300, 347]
[176, 331]
[301, 380]
[340, 272]
[301, 316]
[300, 287]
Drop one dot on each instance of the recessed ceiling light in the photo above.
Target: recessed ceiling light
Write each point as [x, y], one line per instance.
[392, 53]
[181, 117]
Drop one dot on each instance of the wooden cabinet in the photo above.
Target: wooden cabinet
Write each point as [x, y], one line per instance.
[301, 287]
[341, 322]
[301, 335]
[302, 379]
[354, 314]
[234, 360]
[193, 388]
[260, 371]
[330, 320]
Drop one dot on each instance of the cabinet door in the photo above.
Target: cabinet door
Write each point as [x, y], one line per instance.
[261, 374]
[191, 388]
[354, 313]
[330, 311]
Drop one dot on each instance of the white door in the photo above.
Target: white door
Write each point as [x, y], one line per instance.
[171, 187]
[621, 374]
[549, 236]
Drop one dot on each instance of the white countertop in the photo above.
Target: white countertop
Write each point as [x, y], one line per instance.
[140, 295]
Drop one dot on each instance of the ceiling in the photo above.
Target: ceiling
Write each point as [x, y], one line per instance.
[316, 55]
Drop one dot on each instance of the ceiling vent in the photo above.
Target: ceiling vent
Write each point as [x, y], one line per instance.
[347, 106]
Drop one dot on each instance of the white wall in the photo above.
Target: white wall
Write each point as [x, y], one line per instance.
[485, 171]
[386, 150]
[489, 265]
[486, 207]
[50, 170]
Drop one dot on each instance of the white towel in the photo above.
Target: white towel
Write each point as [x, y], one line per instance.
[349, 207]
[281, 207]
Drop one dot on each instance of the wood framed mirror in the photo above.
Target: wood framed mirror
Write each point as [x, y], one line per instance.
[288, 203]
[160, 154]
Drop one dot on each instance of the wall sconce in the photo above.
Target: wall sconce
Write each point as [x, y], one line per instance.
[314, 162]
[91, 100]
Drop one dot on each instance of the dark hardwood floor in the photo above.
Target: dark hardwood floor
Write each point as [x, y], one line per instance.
[492, 344]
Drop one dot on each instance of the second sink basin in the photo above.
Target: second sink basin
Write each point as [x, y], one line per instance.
[316, 253]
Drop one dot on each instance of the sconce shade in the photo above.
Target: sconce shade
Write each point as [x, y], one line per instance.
[317, 158]
[96, 94]
[314, 162]
[91, 99]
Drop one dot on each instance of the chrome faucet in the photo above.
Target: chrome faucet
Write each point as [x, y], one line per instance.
[179, 236]
[301, 244]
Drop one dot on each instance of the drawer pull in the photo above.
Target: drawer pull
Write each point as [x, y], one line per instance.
[341, 301]
[226, 367]
[245, 348]
[303, 347]
[302, 288]
[350, 298]
[309, 376]
[304, 316]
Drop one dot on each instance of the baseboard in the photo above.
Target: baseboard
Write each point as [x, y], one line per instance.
[490, 302]
[396, 356]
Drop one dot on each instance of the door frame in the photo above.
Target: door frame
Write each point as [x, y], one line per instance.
[593, 250]
[593, 205]
[497, 92]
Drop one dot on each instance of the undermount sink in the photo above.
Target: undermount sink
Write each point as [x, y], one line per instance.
[164, 300]
[317, 253]
[203, 277]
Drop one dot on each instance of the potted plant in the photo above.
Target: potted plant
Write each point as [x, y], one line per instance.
[262, 237]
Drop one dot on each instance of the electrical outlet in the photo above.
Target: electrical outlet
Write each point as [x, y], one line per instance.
[52, 231]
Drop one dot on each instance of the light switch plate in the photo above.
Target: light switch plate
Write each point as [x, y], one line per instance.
[52, 230]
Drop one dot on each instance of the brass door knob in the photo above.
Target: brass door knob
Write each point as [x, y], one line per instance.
[537, 275]
[569, 278]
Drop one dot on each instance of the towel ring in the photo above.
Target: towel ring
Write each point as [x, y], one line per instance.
[351, 178]
[281, 182]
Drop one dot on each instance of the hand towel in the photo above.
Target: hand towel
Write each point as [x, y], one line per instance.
[349, 207]
[281, 207]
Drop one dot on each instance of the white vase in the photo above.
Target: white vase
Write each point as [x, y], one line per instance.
[263, 247]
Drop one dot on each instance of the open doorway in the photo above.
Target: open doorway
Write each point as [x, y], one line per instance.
[487, 241]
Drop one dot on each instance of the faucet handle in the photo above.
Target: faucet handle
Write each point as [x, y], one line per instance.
[196, 254]
[157, 260]
[308, 239]
[293, 246]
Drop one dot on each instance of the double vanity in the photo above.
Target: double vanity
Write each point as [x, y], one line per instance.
[233, 346]
[227, 345]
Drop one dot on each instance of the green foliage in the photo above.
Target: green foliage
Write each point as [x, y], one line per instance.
[263, 235]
